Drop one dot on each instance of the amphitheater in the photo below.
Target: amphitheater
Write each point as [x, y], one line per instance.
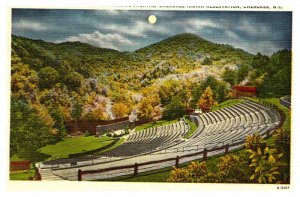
[226, 127]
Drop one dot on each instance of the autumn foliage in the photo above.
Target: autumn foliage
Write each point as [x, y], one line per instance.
[206, 100]
[261, 163]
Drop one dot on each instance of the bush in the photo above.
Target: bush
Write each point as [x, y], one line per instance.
[233, 168]
[109, 135]
[264, 164]
[87, 133]
[192, 173]
[253, 141]
[282, 141]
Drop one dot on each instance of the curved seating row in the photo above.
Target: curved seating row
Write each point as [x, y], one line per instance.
[229, 125]
[150, 139]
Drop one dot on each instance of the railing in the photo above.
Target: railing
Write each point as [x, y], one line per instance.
[285, 103]
[204, 154]
[135, 167]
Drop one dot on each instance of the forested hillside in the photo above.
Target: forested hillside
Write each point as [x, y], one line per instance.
[52, 83]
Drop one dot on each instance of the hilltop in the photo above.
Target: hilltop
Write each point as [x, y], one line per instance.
[195, 47]
[175, 55]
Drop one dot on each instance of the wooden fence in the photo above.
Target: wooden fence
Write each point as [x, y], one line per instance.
[135, 167]
[19, 165]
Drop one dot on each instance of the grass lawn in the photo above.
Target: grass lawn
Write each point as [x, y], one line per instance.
[33, 156]
[154, 124]
[227, 103]
[193, 127]
[21, 175]
[120, 141]
[75, 145]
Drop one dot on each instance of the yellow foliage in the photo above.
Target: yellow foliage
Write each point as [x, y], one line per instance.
[43, 113]
[206, 100]
[149, 107]
[120, 110]
[194, 172]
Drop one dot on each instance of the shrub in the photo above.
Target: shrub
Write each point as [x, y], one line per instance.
[179, 175]
[282, 140]
[196, 170]
[233, 168]
[115, 135]
[253, 141]
[109, 135]
[192, 173]
[264, 164]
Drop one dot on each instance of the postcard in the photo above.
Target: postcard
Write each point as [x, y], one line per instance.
[161, 95]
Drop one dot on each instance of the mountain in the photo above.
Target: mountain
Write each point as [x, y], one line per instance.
[191, 46]
[179, 54]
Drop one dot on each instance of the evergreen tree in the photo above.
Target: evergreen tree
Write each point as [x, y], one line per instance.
[174, 109]
[27, 129]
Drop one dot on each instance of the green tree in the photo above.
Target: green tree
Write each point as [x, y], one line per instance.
[73, 81]
[260, 63]
[76, 112]
[168, 90]
[57, 115]
[185, 95]
[207, 61]
[220, 90]
[277, 80]
[229, 76]
[242, 73]
[27, 129]
[174, 109]
[48, 77]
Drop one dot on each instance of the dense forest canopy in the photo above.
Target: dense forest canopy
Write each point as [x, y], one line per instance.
[53, 83]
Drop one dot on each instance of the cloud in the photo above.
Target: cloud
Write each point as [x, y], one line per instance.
[112, 12]
[98, 39]
[138, 28]
[264, 47]
[253, 28]
[232, 35]
[129, 30]
[29, 25]
[200, 23]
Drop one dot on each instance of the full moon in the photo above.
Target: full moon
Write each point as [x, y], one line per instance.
[152, 19]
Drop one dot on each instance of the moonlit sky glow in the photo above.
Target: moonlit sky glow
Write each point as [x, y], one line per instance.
[264, 32]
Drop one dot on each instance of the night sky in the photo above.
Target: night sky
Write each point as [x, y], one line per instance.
[264, 32]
